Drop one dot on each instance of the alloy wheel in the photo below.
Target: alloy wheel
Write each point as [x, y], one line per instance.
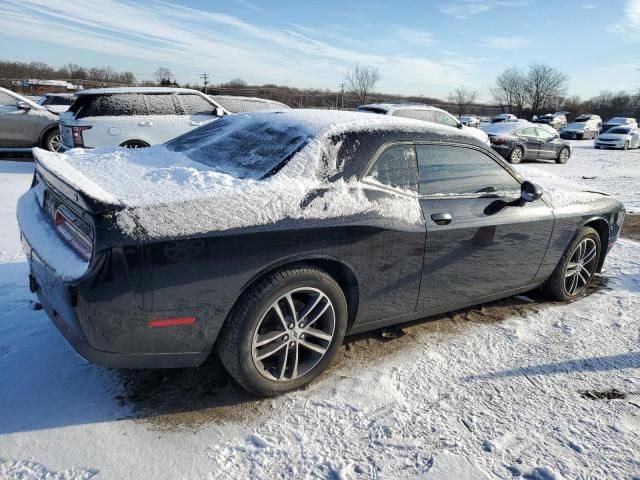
[516, 155]
[56, 143]
[564, 155]
[581, 266]
[294, 334]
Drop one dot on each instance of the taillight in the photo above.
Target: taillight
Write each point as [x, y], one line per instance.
[497, 140]
[75, 232]
[76, 133]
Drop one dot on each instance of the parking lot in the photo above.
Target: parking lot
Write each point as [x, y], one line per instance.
[519, 387]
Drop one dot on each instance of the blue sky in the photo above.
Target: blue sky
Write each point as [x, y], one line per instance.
[421, 47]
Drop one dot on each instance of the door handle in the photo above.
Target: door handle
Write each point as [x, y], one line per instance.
[441, 218]
[196, 124]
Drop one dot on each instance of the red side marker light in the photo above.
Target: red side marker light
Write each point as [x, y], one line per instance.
[172, 322]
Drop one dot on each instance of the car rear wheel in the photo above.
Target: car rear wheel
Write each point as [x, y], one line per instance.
[284, 331]
[564, 155]
[626, 145]
[516, 155]
[134, 144]
[577, 266]
[53, 141]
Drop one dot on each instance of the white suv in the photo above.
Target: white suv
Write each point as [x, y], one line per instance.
[423, 112]
[134, 117]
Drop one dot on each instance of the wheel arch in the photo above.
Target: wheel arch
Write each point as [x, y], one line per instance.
[601, 226]
[343, 273]
[46, 131]
[140, 140]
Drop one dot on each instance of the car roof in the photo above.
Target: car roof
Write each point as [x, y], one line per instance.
[66, 95]
[392, 107]
[121, 90]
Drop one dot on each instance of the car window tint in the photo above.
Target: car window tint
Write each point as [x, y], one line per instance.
[126, 104]
[452, 170]
[543, 134]
[162, 105]
[529, 132]
[196, 105]
[397, 168]
[445, 119]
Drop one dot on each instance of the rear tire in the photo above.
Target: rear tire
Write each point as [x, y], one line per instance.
[564, 155]
[516, 155]
[626, 145]
[575, 270]
[271, 348]
[52, 141]
[134, 144]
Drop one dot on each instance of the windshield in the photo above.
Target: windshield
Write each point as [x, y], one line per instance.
[580, 125]
[617, 120]
[620, 130]
[243, 146]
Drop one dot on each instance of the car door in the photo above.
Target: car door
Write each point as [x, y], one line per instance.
[392, 270]
[549, 145]
[17, 126]
[166, 119]
[481, 239]
[531, 141]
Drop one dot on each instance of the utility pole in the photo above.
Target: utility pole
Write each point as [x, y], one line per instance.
[205, 77]
[342, 94]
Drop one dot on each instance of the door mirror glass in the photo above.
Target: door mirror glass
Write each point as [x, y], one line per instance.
[530, 192]
[23, 106]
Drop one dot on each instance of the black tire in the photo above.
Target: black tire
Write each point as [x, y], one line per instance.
[556, 285]
[516, 155]
[626, 145]
[134, 144]
[235, 343]
[563, 155]
[52, 141]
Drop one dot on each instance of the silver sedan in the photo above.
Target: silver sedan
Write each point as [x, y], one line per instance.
[623, 137]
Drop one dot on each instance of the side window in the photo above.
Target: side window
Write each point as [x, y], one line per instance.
[529, 132]
[162, 105]
[452, 170]
[405, 113]
[426, 115]
[397, 168]
[196, 105]
[543, 134]
[112, 106]
[445, 119]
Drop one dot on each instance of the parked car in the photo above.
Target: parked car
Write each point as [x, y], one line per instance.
[134, 117]
[616, 122]
[25, 124]
[517, 141]
[623, 137]
[234, 104]
[555, 120]
[469, 121]
[504, 117]
[57, 102]
[162, 253]
[422, 112]
[582, 127]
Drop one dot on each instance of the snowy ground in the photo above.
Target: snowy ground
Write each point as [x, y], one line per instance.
[519, 388]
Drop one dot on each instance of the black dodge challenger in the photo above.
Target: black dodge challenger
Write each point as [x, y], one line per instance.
[268, 237]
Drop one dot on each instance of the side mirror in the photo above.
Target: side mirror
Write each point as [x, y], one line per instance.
[23, 106]
[218, 112]
[530, 192]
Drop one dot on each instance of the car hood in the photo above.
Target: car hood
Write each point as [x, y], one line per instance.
[156, 193]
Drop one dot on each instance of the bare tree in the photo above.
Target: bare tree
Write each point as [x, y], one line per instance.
[463, 99]
[361, 80]
[163, 76]
[546, 87]
[510, 91]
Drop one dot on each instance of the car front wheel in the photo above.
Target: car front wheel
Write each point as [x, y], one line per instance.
[516, 155]
[284, 331]
[577, 266]
[564, 155]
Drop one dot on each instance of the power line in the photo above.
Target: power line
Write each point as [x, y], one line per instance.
[205, 77]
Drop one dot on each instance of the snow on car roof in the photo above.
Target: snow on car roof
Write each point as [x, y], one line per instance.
[391, 107]
[167, 193]
[117, 90]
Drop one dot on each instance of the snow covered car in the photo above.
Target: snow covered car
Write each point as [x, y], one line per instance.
[134, 117]
[504, 117]
[423, 112]
[25, 124]
[554, 120]
[57, 102]
[582, 127]
[623, 137]
[469, 121]
[523, 140]
[272, 235]
[617, 122]
[236, 104]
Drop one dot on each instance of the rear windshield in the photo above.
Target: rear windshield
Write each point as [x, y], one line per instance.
[620, 130]
[617, 120]
[242, 146]
[238, 105]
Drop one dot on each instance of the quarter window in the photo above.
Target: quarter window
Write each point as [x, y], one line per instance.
[445, 119]
[452, 170]
[397, 168]
[425, 115]
[196, 105]
[529, 132]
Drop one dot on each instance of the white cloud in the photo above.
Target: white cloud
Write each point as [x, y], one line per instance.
[589, 6]
[463, 9]
[224, 45]
[629, 25]
[505, 43]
